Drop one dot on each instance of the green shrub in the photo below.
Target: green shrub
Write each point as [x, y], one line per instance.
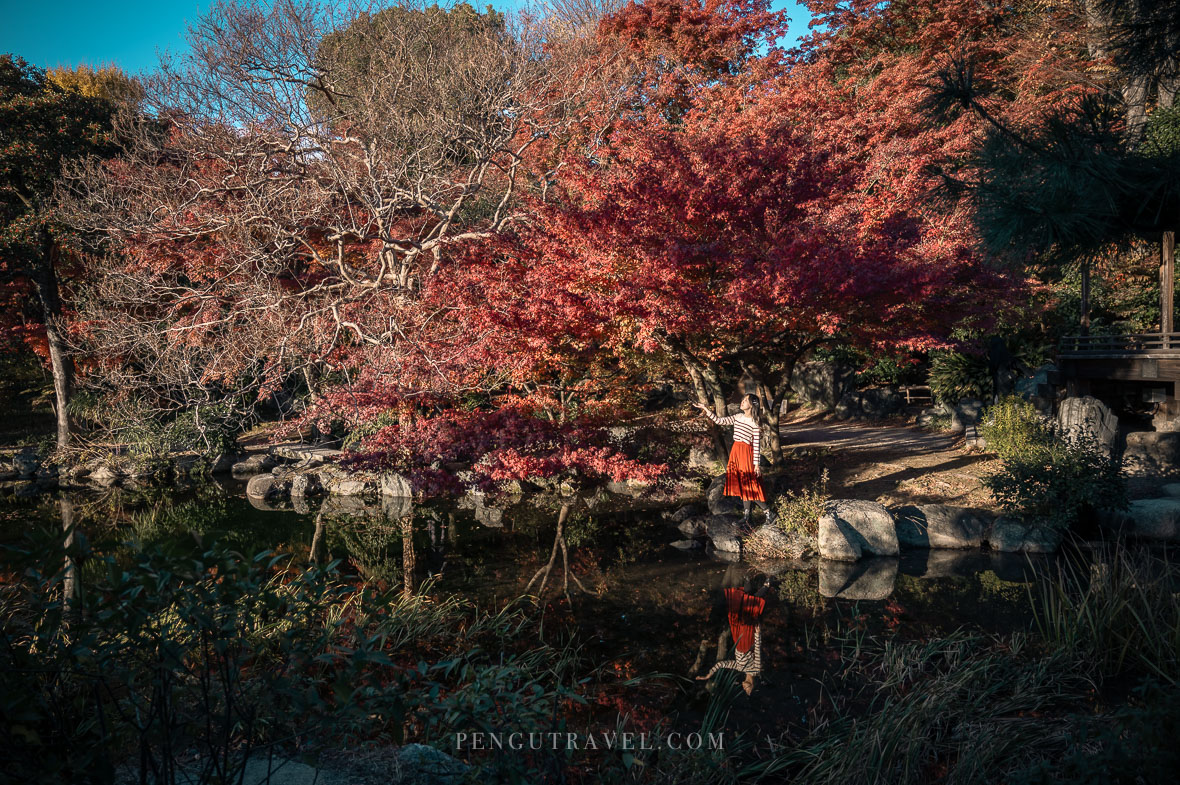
[1014, 427]
[799, 511]
[955, 376]
[798, 514]
[1055, 481]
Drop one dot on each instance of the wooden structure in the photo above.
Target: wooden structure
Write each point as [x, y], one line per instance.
[1147, 365]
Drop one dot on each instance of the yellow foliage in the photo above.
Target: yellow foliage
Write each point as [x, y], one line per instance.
[108, 81]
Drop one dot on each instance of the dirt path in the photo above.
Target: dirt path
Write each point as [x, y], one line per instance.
[889, 463]
[866, 438]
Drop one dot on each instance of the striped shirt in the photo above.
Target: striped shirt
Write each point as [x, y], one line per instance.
[745, 429]
[748, 662]
[744, 611]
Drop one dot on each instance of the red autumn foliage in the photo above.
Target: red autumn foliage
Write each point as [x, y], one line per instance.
[512, 442]
[719, 208]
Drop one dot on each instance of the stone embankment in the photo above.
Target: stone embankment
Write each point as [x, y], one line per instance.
[859, 542]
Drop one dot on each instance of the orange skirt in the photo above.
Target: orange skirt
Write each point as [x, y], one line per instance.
[740, 479]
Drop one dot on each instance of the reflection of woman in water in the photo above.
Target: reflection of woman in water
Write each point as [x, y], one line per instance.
[743, 474]
[743, 608]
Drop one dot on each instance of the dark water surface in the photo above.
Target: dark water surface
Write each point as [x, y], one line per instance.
[646, 607]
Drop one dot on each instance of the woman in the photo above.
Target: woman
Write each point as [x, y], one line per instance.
[744, 471]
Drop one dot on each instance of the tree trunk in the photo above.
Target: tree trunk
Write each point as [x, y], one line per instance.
[1135, 98]
[409, 562]
[707, 388]
[69, 586]
[45, 282]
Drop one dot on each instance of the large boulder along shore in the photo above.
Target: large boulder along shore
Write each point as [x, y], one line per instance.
[852, 530]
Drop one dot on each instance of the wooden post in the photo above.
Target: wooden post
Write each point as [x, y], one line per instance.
[1167, 281]
[1085, 320]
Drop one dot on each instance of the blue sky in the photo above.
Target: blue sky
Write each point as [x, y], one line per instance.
[130, 34]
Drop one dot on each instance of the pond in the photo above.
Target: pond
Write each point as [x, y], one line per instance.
[633, 604]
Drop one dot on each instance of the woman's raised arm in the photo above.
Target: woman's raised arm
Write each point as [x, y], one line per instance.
[717, 420]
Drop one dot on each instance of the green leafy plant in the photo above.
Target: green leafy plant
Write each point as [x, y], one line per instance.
[798, 514]
[799, 511]
[1014, 427]
[1055, 480]
[956, 375]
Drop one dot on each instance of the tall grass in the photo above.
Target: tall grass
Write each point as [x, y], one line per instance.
[1118, 612]
[959, 709]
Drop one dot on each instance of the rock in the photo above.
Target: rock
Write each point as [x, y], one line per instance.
[491, 517]
[1155, 519]
[1152, 453]
[966, 416]
[599, 497]
[1171, 489]
[267, 487]
[310, 462]
[838, 542]
[632, 488]
[701, 459]
[222, 463]
[940, 526]
[104, 475]
[422, 765]
[949, 563]
[879, 402]
[394, 484]
[1009, 534]
[770, 542]
[1087, 418]
[687, 545]
[1041, 383]
[348, 507]
[253, 464]
[339, 482]
[695, 526]
[723, 531]
[717, 501]
[1165, 421]
[929, 416]
[729, 557]
[302, 452]
[26, 464]
[689, 510]
[28, 489]
[395, 508]
[847, 407]
[822, 383]
[851, 528]
[475, 500]
[78, 472]
[280, 771]
[871, 579]
[305, 484]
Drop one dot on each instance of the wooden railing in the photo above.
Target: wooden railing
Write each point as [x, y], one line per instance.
[1118, 346]
[916, 394]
